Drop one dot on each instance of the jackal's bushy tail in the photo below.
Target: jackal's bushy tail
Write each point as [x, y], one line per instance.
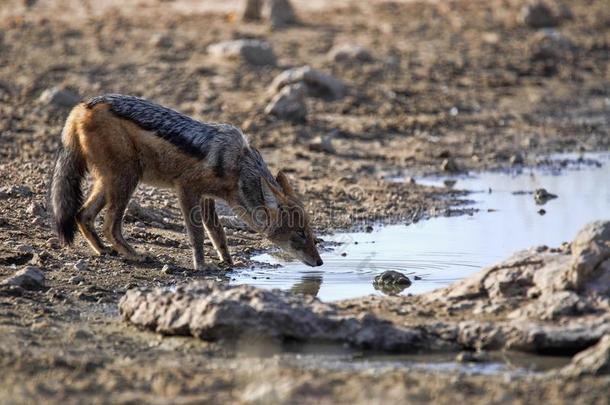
[66, 192]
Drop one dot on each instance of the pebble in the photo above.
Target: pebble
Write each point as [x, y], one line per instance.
[81, 265]
[60, 97]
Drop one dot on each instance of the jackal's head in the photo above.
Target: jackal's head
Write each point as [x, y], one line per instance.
[286, 222]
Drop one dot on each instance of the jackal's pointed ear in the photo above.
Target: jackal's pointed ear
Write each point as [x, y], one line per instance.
[282, 179]
[270, 194]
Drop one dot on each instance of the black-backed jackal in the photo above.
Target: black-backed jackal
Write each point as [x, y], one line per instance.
[123, 140]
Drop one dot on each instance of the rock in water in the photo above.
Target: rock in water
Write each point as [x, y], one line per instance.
[28, 278]
[250, 51]
[61, 97]
[593, 361]
[318, 84]
[392, 277]
[539, 15]
[391, 282]
[541, 196]
[289, 103]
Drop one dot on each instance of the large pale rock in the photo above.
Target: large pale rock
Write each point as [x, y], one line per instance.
[289, 103]
[590, 251]
[250, 51]
[218, 312]
[318, 84]
[593, 361]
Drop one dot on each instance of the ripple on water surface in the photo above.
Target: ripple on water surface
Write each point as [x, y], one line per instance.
[436, 252]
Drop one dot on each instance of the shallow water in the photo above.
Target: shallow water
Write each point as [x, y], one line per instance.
[439, 251]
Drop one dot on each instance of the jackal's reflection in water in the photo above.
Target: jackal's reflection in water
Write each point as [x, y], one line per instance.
[309, 284]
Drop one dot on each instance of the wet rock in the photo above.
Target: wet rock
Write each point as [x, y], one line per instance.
[280, 13]
[289, 103]
[60, 97]
[593, 361]
[542, 196]
[212, 311]
[28, 278]
[350, 53]
[539, 15]
[251, 51]
[391, 282]
[318, 84]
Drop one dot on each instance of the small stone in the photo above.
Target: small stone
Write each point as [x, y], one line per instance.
[28, 278]
[392, 277]
[60, 97]
[35, 209]
[162, 41]
[472, 357]
[322, 144]
[251, 51]
[81, 265]
[75, 280]
[318, 84]
[516, 159]
[550, 44]
[16, 191]
[289, 103]
[350, 53]
[450, 166]
[539, 15]
[53, 243]
[541, 211]
[24, 248]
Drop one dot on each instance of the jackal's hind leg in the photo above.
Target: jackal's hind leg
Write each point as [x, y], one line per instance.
[118, 194]
[86, 218]
[214, 229]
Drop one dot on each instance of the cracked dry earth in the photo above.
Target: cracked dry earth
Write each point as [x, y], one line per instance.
[463, 85]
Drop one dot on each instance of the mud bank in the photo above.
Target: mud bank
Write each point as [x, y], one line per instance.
[544, 300]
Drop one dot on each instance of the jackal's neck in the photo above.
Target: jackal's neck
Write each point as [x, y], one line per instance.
[249, 201]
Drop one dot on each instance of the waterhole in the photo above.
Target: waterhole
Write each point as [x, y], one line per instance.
[436, 252]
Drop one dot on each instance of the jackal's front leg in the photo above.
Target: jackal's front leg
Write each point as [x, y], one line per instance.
[189, 202]
[215, 230]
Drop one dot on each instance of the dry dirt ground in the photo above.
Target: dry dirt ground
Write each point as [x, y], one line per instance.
[461, 80]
